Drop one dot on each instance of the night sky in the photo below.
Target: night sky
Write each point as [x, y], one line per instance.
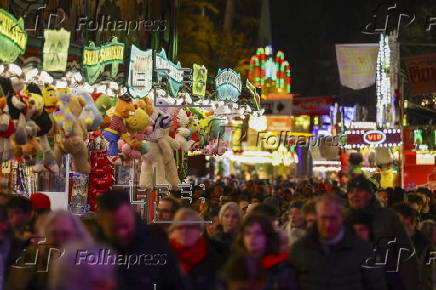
[308, 30]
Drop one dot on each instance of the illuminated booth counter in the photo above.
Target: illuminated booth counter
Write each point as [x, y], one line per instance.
[381, 151]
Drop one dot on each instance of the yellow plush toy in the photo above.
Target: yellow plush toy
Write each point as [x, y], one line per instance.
[71, 131]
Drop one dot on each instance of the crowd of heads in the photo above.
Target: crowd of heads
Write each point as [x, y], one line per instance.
[253, 219]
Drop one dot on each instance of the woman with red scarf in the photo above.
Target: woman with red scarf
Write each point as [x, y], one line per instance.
[257, 263]
[200, 258]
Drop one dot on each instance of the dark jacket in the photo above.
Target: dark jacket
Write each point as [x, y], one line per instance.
[157, 262]
[424, 248]
[281, 277]
[204, 275]
[31, 270]
[386, 226]
[340, 269]
[249, 273]
[223, 237]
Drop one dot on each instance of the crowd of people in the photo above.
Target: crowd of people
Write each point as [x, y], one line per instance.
[307, 235]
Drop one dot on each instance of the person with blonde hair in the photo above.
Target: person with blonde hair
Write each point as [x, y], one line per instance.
[230, 216]
[60, 228]
[199, 258]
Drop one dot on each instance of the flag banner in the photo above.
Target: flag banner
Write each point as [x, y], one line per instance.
[199, 79]
[13, 37]
[55, 51]
[140, 72]
[357, 64]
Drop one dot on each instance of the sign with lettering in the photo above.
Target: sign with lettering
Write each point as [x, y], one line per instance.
[199, 79]
[421, 70]
[174, 72]
[96, 58]
[312, 106]
[374, 137]
[13, 37]
[140, 72]
[55, 51]
[228, 85]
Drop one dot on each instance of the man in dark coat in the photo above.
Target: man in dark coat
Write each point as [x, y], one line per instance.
[329, 257]
[143, 258]
[423, 246]
[390, 238]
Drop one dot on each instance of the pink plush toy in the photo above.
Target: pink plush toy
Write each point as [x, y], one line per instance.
[130, 153]
[215, 147]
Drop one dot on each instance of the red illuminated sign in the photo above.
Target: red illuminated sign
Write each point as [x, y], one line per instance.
[374, 137]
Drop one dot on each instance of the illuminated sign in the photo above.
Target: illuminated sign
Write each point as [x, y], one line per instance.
[174, 72]
[13, 37]
[264, 66]
[374, 137]
[95, 58]
[140, 72]
[199, 79]
[228, 85]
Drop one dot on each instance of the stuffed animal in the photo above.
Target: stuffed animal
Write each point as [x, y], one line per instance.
[41, 117]
[136, 125]
[161, 147]
[103, 103]
[34, 122]
[215, 147]
[117, 128]
[92, 116]
[183, 138]
[6, 129]
[50, 98]
[71, 131]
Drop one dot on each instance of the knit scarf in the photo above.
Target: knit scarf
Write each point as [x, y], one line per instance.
[190, 257]
[270, 260]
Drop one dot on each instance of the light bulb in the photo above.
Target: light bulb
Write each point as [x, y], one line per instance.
[15, 69]
[30, 75]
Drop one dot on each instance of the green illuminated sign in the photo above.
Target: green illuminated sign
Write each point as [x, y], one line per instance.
[199, 79]
[13, 37]
[95, 58]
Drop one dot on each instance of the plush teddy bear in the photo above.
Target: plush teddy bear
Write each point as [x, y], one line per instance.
[136, 125]
[71, 131]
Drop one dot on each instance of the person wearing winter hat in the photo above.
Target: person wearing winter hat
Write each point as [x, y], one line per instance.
[40, 203]
[385, 225]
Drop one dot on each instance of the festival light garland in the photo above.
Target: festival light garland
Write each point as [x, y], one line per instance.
[385, 71]
[264, 66]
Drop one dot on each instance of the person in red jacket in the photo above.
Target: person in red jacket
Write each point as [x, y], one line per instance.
[199, 258]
